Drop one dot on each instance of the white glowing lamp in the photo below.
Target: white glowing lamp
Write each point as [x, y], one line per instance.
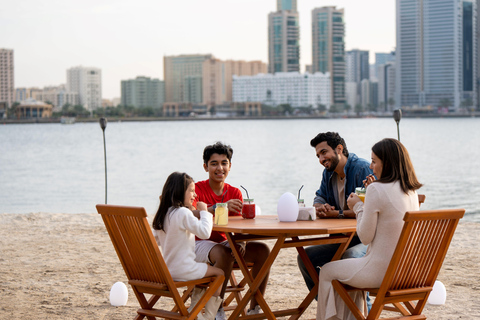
[287, 207]
[118, 294]
[438, 294]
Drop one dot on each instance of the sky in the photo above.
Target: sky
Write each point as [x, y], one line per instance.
[126, 39]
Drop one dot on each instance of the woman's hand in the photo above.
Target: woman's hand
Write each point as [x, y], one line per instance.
[202, 206]
[369, 179]
[352, 200]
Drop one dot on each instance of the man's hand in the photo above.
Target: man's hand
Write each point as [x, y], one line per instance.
[324, 210]
[235, 205]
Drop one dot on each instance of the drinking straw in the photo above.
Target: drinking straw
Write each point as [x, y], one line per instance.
[223, 195]
[245, 191]
[299, 191]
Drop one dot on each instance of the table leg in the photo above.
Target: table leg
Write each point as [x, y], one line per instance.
[254, 283]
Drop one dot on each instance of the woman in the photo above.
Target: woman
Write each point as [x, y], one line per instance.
[379, 224]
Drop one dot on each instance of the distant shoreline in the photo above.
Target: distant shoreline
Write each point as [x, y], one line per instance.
[146, 119]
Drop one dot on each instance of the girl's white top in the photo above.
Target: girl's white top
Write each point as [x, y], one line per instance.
[178, 242]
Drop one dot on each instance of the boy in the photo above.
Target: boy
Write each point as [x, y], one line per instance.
[216, 251]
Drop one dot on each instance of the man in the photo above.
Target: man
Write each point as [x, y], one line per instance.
[216, 251]
[343, 173]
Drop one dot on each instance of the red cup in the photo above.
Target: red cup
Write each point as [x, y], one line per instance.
[248, 211]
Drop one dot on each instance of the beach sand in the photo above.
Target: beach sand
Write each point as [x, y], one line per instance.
[62, 266]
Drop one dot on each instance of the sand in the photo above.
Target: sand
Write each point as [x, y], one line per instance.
[62, 266]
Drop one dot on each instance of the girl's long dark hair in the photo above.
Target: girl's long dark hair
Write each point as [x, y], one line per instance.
[173, 195]
[397, 165]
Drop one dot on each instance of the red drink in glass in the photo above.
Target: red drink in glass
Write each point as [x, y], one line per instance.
[248, 211]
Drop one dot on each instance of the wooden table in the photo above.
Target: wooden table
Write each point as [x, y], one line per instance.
[287, 235]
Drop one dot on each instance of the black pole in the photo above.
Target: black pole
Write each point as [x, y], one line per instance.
[397, 115]
[103, 125]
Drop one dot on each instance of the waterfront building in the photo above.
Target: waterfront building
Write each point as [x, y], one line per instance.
[87, 82]
[20, 94]
[31, 108]
[386, 86]
[357, 69]
[183, 77]
[382, 58]
[293, 88]
[284, 38]
[436, 53]
[7, 83]
[328, 48]
[217, 78]
[142, 92]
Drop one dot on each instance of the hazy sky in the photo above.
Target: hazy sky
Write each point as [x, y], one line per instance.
[126, 39]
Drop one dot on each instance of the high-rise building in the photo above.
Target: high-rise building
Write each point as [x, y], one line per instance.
[284, 38]
[436, 53]
[183, 77]
[357, 65]
[217, 78]
[142, 92]
[87, 82]
[386, 86]
[381, 58]
[7, 83]
[290, 5]
[328, 48]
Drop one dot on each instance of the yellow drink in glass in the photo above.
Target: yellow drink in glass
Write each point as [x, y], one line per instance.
[360, 192]
[221, 214]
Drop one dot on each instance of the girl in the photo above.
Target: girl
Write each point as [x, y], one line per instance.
[175, 227]
[379, 224]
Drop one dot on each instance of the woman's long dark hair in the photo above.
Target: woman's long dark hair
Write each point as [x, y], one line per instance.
[173, 195]
[397, 165]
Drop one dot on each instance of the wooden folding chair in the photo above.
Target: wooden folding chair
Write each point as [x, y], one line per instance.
[145, 267]
[414, 266]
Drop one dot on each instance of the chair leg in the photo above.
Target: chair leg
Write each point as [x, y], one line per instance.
[348, 300]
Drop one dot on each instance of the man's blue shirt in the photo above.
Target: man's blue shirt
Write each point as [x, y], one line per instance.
[356, 170]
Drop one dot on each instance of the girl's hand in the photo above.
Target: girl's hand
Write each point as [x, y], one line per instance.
[202, 206]
[352, 200]
[370, 178]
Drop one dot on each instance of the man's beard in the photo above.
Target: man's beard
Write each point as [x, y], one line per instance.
[333, 163]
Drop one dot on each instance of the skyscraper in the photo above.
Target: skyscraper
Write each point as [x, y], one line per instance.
[183, 77]
[87, 82]
[328, 48]
[7, 84]
[436, 50]
[357, 65]
[284, 38]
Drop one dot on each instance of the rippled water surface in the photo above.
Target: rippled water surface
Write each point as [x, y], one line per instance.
[60, 168]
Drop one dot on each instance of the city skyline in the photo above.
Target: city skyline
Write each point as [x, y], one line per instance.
[125, 41]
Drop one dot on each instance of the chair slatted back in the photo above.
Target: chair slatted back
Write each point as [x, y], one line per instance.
[421, 249]
[134, 243]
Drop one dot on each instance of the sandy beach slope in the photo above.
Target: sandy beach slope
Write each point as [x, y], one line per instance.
[62, 266]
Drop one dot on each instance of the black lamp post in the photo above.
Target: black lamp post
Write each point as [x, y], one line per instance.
[397, 115]
[103, 125]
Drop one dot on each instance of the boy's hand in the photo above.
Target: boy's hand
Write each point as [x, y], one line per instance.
[235, 205]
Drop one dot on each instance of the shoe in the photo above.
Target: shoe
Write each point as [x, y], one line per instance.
[196, 295]
[221, 314]
[211, 308]
[255, 310]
